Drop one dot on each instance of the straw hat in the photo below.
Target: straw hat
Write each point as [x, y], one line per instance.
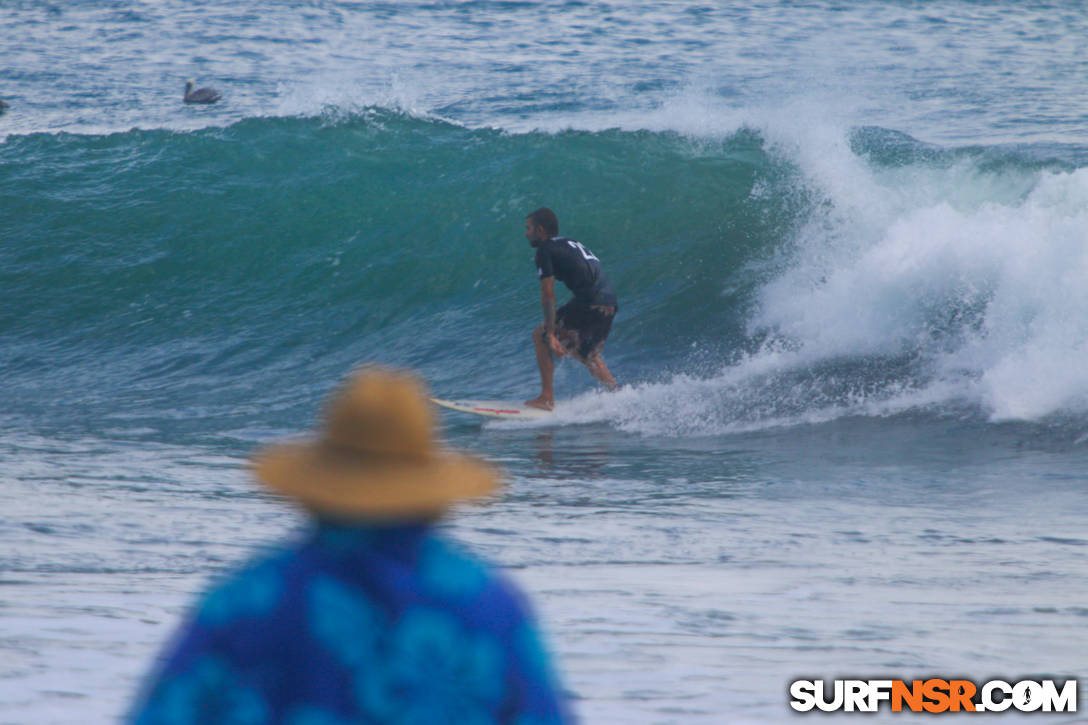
[376, 456]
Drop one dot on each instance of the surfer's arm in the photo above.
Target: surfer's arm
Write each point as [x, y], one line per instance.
[547, 303]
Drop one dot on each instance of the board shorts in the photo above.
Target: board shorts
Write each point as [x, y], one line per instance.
[590, 325]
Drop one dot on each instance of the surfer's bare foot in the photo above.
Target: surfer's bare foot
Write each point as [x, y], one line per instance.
[541, 402]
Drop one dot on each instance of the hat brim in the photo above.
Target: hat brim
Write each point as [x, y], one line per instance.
[372, 487]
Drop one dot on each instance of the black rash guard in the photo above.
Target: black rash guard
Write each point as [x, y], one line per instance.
[577, 268]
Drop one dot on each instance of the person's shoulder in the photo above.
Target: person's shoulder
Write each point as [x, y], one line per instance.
[561, 242]
[557, 245]
[450, 572]
[448, 569]
[254, 590]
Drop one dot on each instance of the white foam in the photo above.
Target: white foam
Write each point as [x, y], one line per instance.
[974, 280]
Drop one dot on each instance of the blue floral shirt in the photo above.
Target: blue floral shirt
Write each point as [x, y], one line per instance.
[359, 624]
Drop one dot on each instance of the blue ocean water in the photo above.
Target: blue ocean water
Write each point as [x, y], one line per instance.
[849, 241]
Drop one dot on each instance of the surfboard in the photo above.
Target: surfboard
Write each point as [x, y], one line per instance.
[494, 408]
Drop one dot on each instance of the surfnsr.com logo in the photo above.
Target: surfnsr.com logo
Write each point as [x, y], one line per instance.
[933, 695]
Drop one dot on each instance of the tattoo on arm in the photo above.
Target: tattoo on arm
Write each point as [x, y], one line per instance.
[548, 303]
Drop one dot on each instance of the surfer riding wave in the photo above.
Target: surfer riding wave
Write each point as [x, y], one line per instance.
[580, 327]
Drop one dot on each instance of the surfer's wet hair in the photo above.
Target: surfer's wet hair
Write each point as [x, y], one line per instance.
[545, 219]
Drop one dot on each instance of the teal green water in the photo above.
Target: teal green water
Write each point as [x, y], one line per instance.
[291, 249]
[276, 254]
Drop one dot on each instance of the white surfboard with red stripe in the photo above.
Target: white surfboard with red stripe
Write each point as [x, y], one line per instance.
[494, 408]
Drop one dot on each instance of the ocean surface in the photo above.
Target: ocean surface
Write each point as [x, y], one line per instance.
[850, 242]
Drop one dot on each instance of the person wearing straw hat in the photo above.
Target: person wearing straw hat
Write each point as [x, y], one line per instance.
[372, 617]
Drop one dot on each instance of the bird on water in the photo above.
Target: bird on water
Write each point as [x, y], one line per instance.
[200, 95]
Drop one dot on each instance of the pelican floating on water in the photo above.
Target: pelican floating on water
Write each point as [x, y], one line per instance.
[200, 95]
